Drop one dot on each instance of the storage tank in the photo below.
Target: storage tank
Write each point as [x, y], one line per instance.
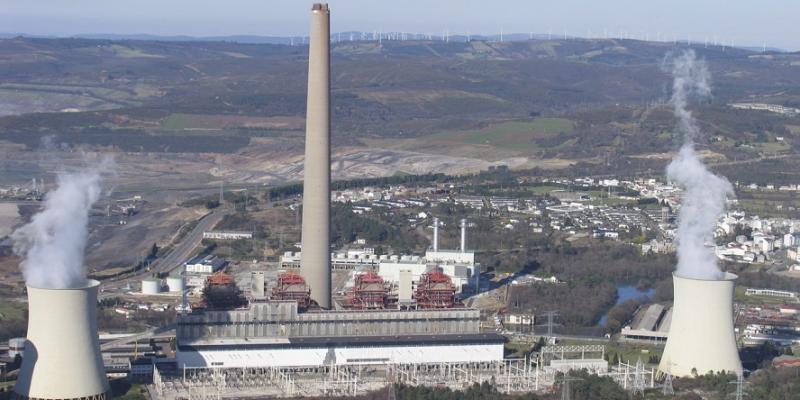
[701, 337]
[151, 286]
[257, 284]
[16, 347]
[62, 353]
[176, 284]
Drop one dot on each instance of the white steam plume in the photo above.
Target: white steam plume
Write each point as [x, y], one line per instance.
[52, 244]
[704, 193]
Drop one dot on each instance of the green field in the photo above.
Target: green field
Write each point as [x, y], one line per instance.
[176, 122]
[769, 204]
[12, 310]
[739, 296]
[627, 352]
[514, 135]
[544, 189]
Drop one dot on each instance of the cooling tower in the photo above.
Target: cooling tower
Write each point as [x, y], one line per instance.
[701, 336]
[315, 263]
[62, 354]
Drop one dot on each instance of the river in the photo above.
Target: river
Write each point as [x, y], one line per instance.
[625, 293]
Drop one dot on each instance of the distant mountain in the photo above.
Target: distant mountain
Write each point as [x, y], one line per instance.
[338, 36]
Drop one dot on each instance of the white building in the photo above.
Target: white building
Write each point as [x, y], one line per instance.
[205, 264]
[227, 235]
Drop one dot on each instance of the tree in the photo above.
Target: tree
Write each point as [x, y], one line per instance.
[153, 251]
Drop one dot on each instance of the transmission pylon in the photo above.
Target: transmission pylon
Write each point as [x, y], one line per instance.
[550, 324]
[566, 392]
[391, 395]
[668, 390]
[638, 378]
[740, 384]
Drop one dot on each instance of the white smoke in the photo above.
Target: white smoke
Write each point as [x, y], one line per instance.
[52, 244]
[704, 193]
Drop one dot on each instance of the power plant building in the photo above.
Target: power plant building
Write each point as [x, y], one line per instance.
[299, 325]
[277, 334]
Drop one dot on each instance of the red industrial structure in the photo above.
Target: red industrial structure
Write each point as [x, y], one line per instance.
[435, 290]
[369, 292]
[221, 292]
[292, 286]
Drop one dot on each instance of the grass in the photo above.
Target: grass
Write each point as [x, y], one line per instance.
[545, 189]
[176, 122]
[739, 296]
[773, 147]
[205, 123]
[128, 52]
[12, 310]
[514, 135]
[627, 352]
[122, 390]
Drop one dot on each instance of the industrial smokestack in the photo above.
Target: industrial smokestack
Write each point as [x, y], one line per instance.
[315, 261]
[701, 337]
[436, 234]
[463, 235]
[62, 353]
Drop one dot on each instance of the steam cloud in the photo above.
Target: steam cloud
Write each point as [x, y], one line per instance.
[704, 192]
[52, 244]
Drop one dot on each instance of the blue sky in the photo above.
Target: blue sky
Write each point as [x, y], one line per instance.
[742, 22]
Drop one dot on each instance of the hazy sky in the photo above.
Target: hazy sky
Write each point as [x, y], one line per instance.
[743, 22]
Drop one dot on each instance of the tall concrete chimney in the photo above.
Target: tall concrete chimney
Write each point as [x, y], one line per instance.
[436, 234]
[315, 262]
[463, 235]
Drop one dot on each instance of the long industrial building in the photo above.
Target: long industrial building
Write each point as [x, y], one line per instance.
[278, 334]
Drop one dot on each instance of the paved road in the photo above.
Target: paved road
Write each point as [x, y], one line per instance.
[184, 249]
[176, 257]
[138, 337]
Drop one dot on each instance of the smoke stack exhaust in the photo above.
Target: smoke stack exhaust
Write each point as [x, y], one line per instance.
[436, 234]
[315, 261]
[62, 353]
[463, 235]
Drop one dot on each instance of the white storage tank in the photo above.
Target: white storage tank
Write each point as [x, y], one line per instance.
[151, 286]
[176, 284]
[16, 347]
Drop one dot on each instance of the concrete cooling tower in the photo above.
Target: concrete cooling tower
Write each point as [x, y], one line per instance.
[701, 337]
[62, 354]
